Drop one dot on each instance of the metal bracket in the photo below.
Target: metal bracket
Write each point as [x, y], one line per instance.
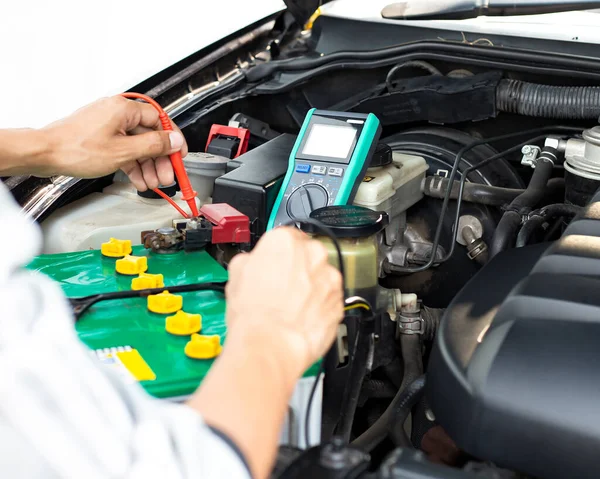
[410, 325]
[530, 154]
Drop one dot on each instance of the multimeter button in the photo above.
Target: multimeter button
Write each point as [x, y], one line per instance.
[302, 168]
[319, 170]
[336, 171]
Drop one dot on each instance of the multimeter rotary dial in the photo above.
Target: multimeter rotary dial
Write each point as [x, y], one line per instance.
[305, 199]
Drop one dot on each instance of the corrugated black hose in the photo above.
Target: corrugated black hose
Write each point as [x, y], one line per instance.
[548, 101]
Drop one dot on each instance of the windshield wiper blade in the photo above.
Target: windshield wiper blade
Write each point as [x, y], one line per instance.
[463, 9]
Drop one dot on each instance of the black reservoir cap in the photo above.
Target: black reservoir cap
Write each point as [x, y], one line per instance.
[169, 190]
[382, 156]
[348, 221]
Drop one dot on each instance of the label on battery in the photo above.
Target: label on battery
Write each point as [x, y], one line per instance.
[127, 362]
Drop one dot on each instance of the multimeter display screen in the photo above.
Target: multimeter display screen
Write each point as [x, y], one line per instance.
[332, 141]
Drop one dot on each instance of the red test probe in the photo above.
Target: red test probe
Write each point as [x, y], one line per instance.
[187, 192]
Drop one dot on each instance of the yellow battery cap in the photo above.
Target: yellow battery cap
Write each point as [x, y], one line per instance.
[165, 303]
[116, 248]
[147, 281]
[203, 347]
[183, 324]
[132, 265]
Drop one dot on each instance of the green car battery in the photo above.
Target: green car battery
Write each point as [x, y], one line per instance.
[114, 329]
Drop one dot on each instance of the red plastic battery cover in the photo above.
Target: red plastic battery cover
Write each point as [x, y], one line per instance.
[230, 226]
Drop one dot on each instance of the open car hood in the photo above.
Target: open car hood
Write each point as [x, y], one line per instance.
[573, 26]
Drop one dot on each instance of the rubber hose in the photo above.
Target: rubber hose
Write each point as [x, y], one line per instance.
[393, 370]
[528, 229]
[535, 190]
[560, 209]
[409, 398]
[506, 232]
[539, 218]
[420, 423]
[504, 236]
[437, 186]
[546, 101]
[413, 367]
[482, 258]
[379, 389]
[373, 412]
[356, 376]
[431, 321]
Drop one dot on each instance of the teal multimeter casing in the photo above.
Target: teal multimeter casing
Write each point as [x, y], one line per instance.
[327, 163]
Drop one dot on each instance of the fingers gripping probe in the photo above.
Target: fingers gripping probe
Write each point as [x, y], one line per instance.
[187, 192]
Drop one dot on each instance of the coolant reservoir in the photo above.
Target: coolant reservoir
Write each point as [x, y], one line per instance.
[356, 229]
[117, 212]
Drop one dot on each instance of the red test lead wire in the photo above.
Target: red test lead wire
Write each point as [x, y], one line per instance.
[187, 192]
[171, 202]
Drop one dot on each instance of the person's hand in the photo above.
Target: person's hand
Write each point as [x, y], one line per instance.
[110, 134]
[285, 291]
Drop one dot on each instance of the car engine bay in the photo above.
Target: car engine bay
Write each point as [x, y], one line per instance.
[473, 236]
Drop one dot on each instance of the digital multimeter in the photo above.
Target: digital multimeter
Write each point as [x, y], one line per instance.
[327, 164]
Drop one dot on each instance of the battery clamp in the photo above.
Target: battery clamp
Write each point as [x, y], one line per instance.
[227, 141]
[217, 223]
[327, 163]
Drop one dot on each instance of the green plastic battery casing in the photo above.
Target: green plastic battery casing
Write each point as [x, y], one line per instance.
[128, 322]
[357, 165]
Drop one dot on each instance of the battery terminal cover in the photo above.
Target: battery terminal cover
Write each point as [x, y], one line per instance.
[203, 347]
[183, 324]
[132, 265]
[116, 248]
[147, 281]
[165, 303]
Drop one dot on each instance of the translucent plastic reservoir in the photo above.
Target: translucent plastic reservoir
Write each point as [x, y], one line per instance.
[360, 264]
[356, 229]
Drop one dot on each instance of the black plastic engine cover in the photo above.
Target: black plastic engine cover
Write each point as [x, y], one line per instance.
[253, 181]
[514, 377]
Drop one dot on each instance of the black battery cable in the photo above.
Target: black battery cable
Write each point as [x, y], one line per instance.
[81, 305]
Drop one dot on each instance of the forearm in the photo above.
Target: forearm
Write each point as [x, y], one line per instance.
[246, 396]
[25, 151]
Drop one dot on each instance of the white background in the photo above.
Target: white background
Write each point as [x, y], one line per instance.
[58, 55]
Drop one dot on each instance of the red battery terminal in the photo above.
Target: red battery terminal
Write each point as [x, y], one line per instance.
[217, 224]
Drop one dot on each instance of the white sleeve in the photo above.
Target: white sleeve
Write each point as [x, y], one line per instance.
[62, 415]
